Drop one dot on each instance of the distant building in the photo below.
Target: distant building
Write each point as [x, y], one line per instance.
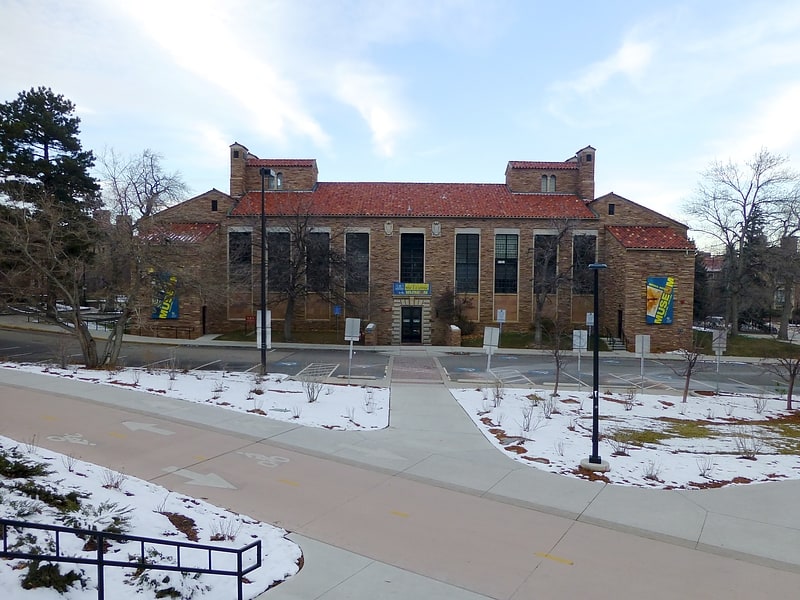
[402, 247]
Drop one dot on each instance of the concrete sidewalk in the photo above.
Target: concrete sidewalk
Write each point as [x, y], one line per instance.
[432, 440]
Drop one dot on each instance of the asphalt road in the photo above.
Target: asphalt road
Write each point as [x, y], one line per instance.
[469, 367]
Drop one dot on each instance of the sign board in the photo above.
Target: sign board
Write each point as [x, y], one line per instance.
[400, 288]
[580, 339]
[501, 315]
[642, 344]
[269, 330]
[337, 310]
[491, 337]
[590, 319]
[352, 329]
[719, 343]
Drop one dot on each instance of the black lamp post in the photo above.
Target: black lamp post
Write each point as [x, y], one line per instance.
[595, 459]
[265, 174]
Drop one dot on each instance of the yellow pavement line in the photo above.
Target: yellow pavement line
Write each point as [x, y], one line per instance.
[558, 559]
[398, 513]
[289, 482]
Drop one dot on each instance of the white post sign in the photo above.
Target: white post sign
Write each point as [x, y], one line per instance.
[269, 330]
[580, 341]
[491, 339]
[352, 333]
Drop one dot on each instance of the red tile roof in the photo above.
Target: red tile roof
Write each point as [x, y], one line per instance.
[642, 237]
[547, 166]
[281, 162]
[470, 200]
[189, 233]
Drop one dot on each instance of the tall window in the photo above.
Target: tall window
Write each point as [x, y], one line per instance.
[240, 257]
[357, 262]
[279, 255]
[548, 183]
[506, 252]
[584, 252]
[412, 257]
[467, 252]
[545, 263]
[318, 258]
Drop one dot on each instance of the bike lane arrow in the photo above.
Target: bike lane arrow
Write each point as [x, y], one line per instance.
[209, 479]
[149, 427]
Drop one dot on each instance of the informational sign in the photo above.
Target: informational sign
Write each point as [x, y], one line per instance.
[165, 301]
[660, 300]
[501, 315]
[352, 329]
[590, 319]
[719, 342]
[269, 330]
[491, 338]
[642, 344]
[400, 288]
[580, 339]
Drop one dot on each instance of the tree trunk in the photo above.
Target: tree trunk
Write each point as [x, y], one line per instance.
[792, 377]
[786, 313]
[114, 344]
[686, 384]
[288, 320]
[87, 342]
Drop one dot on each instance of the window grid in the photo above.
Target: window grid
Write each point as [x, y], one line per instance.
[506, 252]
[467, 262]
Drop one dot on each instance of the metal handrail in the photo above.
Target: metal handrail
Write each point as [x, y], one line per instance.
[136, 561]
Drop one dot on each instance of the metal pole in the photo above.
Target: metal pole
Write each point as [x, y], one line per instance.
[595, 456]
[264, 172]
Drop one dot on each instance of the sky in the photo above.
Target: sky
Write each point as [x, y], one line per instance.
[532, 426]
[422, 90]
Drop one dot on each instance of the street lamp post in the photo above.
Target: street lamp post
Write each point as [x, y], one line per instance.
[595, 463]
[265, 174]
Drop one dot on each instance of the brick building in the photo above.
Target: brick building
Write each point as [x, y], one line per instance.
[388, 253]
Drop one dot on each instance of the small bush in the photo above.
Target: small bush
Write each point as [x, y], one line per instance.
[49, 575]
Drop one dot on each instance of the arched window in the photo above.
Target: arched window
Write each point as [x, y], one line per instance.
[544, 183]
[548, 183]
[279, 181]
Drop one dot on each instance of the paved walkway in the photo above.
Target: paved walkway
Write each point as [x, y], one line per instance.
[742, 539]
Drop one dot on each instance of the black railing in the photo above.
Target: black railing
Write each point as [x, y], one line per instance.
[139, 561]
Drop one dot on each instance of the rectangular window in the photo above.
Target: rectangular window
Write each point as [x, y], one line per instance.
[279, 255]
[357, 262]
[611, 208]
[506, 252]
[240, 257]
[545, 263]
[584, 253]
[467, 254]
[318, 261]
[412, 258]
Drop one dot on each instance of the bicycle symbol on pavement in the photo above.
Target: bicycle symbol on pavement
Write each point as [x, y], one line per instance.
[265, 461]
[72, 438]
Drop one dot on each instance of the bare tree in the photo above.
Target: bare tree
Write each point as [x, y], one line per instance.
[548, 274]
[691, 364]
[787, 368]
[560, 358]
[134, 189]
[302, 263]
[733, 204]
[41, 254]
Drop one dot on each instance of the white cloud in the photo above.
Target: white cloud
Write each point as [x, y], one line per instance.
[630, 60]
[373, 95]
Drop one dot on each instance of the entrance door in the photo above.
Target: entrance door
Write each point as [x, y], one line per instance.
[411, 326]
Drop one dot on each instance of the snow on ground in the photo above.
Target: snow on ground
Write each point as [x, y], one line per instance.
[110, 499]
[649, 440]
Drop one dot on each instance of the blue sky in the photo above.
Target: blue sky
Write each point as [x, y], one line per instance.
[422, 90]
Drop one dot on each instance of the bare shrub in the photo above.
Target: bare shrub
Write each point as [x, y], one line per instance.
[629, 398]
[749, 443]
[112, 480]
[620, 441]
[225, 530]
[498, 391]
[652, 470]
[312, 388]
[706, 466]
[760, 403]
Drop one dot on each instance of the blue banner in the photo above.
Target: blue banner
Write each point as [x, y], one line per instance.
[660, 300]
